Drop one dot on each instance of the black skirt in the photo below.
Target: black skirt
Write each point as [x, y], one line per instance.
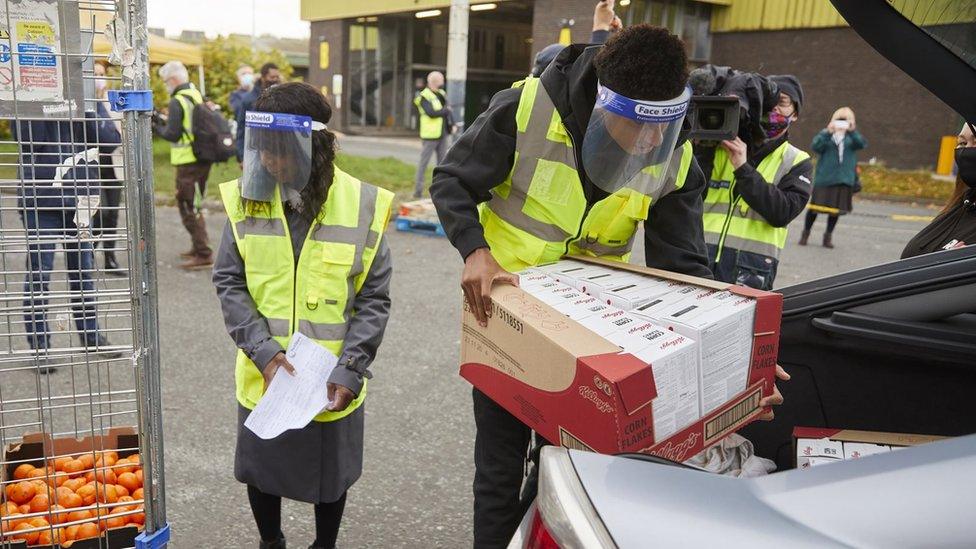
[316, 464]
[833, 200]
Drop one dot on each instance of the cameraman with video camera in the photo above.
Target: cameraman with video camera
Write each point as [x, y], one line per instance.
[757, 182]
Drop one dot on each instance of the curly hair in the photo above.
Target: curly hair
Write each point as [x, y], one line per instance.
[304, 99]
[643, 62]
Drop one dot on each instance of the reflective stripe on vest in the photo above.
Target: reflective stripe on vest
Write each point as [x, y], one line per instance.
[181, 152]
[431, 127]
[539, 212]
[315, 297]
[735, 225]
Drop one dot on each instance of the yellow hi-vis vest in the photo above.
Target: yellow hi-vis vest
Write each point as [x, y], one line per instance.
[181, 152]
[430, 127]
[735, 225]
[539, 213]
[317, 297]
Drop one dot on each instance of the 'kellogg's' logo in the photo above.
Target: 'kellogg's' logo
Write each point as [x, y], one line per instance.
[602, 385]
[678, 452]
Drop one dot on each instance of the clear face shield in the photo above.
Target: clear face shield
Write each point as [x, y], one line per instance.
[277, 152]
[629, 143]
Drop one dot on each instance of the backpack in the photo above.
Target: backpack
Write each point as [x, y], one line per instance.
[212, 138]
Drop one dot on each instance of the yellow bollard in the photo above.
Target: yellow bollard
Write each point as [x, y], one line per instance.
[947, 150]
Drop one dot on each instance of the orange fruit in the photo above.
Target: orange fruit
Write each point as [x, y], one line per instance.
[138, 518]
[57, 514]
[23, 470]
[105, 493]
[59, 462]
[24, 509]
[111, 454]
[75, 516]
[61, 494]
[113, 520]
[87, 493]
[121, 490]
[39, 522]
[21, 492]
[126, 499]
[57, 479]
[40, 503]
[71, 532]
[50, 537]
[130, 481]
[8, 508]
[137, 494]
[30, 538]
[72, 501]
[123, 466]
[106, 461]
[102, 475]
[11, 521]
[74, 483]
[134, 459]
[74, 467]
[37, 473]
[87, 461]
[138, 473]
[87, 530]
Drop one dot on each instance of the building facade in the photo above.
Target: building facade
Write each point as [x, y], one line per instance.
[371, 59]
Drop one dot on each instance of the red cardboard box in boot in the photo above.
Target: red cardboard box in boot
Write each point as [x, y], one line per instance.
[586, 368]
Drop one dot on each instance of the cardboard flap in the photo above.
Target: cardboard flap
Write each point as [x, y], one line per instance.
[632, 379]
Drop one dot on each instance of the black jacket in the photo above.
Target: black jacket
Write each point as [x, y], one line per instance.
[482, 159]
[952, 229]
[778, 204]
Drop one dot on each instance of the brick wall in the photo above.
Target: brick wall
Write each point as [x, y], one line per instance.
[334, 32]
[547, 15]
[901, 120]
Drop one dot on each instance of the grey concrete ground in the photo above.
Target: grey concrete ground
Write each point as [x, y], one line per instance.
[416, 487]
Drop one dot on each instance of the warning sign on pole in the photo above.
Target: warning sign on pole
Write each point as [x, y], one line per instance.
[36, 71]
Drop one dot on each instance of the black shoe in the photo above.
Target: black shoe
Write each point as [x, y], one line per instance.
[276, 544]
[100, 346]
[112, 265]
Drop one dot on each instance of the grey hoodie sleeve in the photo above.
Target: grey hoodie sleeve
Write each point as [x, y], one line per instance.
[371, 310]
[244, 323]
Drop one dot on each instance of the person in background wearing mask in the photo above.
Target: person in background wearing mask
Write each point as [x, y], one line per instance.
[754, 190]
[111, 172]
[436, 126]
[58, 194]
[836, 173]
[191, 174]
[270, 75]
[571, 162]
[245, 80]
[955, 226]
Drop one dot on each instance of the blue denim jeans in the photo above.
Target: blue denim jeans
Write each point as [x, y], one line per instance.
[43, 227]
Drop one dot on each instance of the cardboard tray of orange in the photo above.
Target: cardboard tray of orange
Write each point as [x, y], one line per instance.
[580, 389]
[66, 492]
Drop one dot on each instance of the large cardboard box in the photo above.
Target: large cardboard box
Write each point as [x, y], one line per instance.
[33, 449]
[814, 446]
[578, 389]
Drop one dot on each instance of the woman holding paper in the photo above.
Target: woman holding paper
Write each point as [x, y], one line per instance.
[302, 252]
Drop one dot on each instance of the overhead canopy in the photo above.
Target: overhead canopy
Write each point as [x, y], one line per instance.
[161, 50]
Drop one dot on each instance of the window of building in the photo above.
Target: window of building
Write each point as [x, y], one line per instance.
[688, 19]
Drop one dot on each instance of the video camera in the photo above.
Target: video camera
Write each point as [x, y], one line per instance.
[712, 118]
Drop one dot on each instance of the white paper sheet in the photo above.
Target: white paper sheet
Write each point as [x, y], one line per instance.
[292, 401]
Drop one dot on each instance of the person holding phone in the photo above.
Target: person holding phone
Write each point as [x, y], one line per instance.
[835, 180]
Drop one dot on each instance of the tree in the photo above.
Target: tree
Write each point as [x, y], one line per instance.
[222, 57]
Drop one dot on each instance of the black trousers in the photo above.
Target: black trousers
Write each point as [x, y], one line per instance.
[266, 509]
[106, 220]
[501, 456]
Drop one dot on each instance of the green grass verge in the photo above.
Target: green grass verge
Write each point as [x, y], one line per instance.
[904, 184]
[388, 173]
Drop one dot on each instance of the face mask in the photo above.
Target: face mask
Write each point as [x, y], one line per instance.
[966, 163]
[247, 80]
[100, 84]
[774, 124]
